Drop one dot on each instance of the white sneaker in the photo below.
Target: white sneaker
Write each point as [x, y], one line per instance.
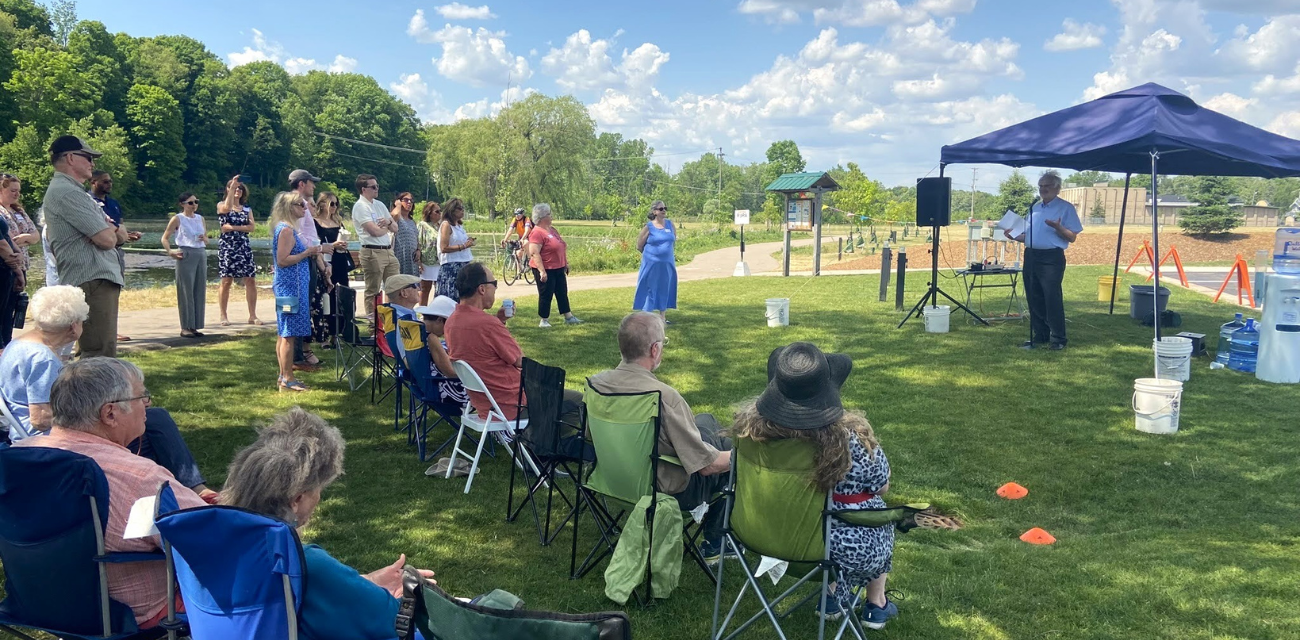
[544, 324]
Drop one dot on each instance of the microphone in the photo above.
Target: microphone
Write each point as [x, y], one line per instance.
[1030, 210]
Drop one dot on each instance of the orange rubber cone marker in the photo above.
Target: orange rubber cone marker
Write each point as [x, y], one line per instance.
[1012, 491]
[1037, 536]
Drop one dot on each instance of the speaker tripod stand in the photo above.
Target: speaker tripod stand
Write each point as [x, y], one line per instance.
[932, 295]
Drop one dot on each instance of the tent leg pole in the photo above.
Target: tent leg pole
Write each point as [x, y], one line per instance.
[1155, 237]
[1119, 244]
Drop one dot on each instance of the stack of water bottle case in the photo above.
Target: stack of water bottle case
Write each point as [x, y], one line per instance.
[1269, 347]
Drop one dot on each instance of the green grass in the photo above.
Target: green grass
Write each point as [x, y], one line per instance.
[1190, 536]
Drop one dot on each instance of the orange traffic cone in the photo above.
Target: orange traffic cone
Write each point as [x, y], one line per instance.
[1037, 536]
[1012, 491]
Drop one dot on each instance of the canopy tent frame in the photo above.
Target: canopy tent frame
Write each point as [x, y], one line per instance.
[1144, 128]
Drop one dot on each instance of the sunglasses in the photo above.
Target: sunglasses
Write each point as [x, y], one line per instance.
[191, 202]
[331, 204]
[406, 200]
[491, 282]
[371, 186]
[660, 209]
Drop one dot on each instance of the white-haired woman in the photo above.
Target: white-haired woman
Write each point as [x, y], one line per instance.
[282, 475]
[548, 257]
[32, 361]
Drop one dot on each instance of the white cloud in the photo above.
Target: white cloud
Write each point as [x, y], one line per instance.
[478, 57]
[485, 108]
[343, 64]
[413, 90]
[1270, 85]
[265, 50]
[1075, 36]
[1274, 48]
[584, 64]
[854, 13]
[1286, 123]
[1230, 104]
[458, 11]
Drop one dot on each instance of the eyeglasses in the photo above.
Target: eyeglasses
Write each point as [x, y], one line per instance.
[331, 204]
[406, 200]
[491, 282]
[89, 158]
[413, 286]
[660, 209]
[192, 202]
[371, 186]
[297, 204]
[147, 397]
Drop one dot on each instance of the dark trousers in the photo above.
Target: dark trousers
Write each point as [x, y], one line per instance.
[7, 299]
[162, 443]
[699, 488]
[1044, 273]
[556, 286]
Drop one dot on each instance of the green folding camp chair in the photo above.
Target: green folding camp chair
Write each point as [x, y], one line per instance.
[773, 510]
[624, 430]
[496, 616]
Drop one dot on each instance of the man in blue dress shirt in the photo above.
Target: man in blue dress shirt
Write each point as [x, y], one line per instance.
[1053, 225]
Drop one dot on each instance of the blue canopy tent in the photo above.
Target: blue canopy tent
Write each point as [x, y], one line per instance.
[1146, 128]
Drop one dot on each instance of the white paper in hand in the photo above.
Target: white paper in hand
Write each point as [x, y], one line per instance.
[775, 569]
[140, 523]
[1012, 223]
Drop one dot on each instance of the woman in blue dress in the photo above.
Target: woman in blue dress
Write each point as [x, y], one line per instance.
[291, 282]
[656, 284]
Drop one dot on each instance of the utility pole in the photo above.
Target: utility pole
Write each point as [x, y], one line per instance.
[972, 192]
[720, 156]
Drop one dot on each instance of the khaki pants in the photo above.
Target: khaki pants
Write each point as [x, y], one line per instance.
[99, 332]
[378, 265]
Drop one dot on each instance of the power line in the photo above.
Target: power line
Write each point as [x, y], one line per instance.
[400, 164]
[371, 144]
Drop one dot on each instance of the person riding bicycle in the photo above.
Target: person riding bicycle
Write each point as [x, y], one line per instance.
[519, 228]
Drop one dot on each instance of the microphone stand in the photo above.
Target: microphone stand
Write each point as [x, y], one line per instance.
[1024, 270]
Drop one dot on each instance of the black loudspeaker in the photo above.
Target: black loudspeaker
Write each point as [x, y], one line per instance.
[933, 202]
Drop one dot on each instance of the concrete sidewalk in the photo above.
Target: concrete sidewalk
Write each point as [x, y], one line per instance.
[160, 328]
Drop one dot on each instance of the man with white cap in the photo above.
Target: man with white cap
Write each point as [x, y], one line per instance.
[84, 242]
[403, 294]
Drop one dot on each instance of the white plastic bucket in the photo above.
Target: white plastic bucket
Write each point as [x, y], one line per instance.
[1155, 405]
[936, 318]
[1173, 358]
[778, 312]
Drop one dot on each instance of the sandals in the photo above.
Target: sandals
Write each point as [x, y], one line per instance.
[295, 385]
[225, 322]
[255, 322]
[310, 358]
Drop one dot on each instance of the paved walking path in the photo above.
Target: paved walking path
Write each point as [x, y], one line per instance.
[160, 328]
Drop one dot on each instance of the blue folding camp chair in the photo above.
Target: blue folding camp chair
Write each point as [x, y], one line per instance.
[424, 389]
[241, 574]
[53, 512]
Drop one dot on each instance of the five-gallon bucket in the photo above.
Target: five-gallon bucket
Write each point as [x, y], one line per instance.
[1104, 285]
[936, 318]
[1173, 358]
[1155, 405]
[778, 312]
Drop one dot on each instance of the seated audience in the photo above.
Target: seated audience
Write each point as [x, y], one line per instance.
[695, 440]
[282, 475]
[29, 367]
[802, 401]
[98, 408]
[484, 342]
[435, 316]
[403, 294]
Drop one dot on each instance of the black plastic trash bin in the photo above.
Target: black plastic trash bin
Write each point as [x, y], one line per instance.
[1141, 299]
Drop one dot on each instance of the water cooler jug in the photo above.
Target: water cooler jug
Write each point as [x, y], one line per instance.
[1279, 331]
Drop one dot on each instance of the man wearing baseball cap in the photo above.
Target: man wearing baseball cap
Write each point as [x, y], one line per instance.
[403, 293]
[84, 242]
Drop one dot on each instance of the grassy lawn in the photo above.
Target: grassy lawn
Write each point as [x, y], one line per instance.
[1195, 535]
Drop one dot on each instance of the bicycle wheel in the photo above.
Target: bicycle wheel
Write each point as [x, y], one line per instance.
[527, 273]
[510, 271]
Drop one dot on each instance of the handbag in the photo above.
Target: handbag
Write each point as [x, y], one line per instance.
[286, 304]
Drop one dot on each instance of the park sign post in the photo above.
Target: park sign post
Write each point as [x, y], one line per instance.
[742, 219]
[803, 209]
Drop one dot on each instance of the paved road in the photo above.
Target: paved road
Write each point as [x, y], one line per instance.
[159, 328]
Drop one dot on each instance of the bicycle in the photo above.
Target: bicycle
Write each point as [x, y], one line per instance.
[512, 268]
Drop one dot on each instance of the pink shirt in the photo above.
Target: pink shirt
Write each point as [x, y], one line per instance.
[485, 344]
[307, 227]
[139, 585]
[553, 248]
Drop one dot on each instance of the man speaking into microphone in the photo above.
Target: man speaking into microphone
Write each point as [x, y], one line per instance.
[1053, 225]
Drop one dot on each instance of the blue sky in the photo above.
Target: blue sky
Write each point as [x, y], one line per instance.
[883, 83]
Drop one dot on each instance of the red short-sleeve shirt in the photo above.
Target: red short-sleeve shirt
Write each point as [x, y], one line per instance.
[485, 344]
[553, 247]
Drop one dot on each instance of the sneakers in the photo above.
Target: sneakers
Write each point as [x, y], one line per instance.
[832, 610]
[573, 320]
[874, 617]
[544, 324]
[712, 552]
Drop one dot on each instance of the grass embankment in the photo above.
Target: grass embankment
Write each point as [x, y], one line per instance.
[1193, 535]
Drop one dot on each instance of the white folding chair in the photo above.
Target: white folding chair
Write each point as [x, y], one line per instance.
[495, 421]
[7, 420]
